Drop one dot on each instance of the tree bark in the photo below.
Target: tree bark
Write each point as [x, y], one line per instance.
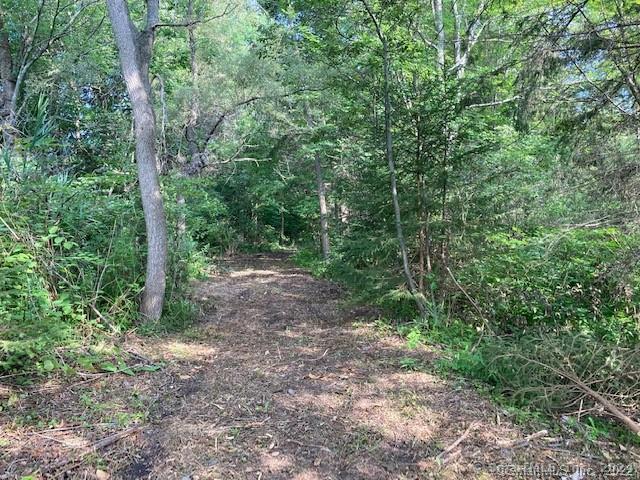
[135, 50]
[322, 195]
[457, 15]
[190, 131]
[193, 152]
[7, 75]
[322, 200]
[439, 24]
[422, 238]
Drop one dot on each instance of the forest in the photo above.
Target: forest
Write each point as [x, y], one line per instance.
[221, 220]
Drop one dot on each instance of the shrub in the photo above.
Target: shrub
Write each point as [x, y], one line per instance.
[72, 255]
[586, 279]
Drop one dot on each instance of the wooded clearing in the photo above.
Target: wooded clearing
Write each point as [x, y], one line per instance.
[309, 239]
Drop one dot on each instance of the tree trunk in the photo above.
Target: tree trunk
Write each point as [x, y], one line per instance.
[422, 239]
[457, 15]
[281, 226]
[322, 195]
[190, 131]
[389, 152]
[443, 199]
[392, 176]
[322, 199]
[162, 163]
[424, 257]
[7, 110]
[424, 235]
[135, 54]
[439, 24]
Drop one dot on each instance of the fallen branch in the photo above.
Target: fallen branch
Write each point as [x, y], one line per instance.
[485, 323]
[309, 445]
[99, 445]
[320, 357]
[461, 288]
[494, 103]
[525, 441]
[460, 439]
[610, 407]
[66, 387]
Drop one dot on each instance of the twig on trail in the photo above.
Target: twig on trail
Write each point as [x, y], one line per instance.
[10, 375]
[57, 440]
[73, 385]
[140, 357]
[453, 455]
[460, 439]
[525, 441]
[91, 375]
[99, 445]
[47, 388]
[281, 364]
[520, 443]
[573, 452]
[320, 447]
[320, 357]
[69, 427]
[242, 425]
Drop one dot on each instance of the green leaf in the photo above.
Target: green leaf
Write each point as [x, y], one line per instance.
[48, 365]
[109, 367]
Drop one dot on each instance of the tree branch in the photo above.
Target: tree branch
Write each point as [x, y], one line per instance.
[190, 23]
[494, 103]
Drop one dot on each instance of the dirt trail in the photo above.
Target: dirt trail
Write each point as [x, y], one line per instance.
[278, 383]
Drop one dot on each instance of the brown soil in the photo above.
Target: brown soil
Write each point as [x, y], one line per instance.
[280, 381]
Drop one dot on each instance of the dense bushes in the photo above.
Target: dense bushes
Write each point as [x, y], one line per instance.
[30, 319]
[72, 263]
[205, 213]
[69, 258]
[540, 370]
[583, 279]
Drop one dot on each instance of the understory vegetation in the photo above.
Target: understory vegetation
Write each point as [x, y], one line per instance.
[469, 167]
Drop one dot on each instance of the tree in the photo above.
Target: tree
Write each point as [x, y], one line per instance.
[386, 86]
[50, 21]
[321, 191]
[135, 49]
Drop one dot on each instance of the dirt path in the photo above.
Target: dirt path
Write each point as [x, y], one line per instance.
[278, 383]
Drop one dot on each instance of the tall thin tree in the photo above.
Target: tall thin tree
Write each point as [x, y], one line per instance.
[386, 65]
[322, 192]
[136, 48]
